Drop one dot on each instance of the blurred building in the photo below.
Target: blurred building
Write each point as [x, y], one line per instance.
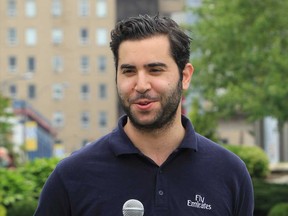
[274, 143]
[127, 8]
[63, 47]
[33, 130]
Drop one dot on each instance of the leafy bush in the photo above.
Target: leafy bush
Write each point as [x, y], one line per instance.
[280, 209]
[25, 182]
[2, 207]
[268, 195]
[2, 210]
[254, 157]
[24, 207]
[14, 186]
[38, 171]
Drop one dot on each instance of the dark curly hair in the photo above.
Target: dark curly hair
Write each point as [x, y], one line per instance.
[144, 26]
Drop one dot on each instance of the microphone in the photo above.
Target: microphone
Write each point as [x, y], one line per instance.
[133, 207]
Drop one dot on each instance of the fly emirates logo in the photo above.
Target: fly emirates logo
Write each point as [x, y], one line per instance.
[199, 202]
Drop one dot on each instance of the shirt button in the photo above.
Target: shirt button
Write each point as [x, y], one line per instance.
[161, 193]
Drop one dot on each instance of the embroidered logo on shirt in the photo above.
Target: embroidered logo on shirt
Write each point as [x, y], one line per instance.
[199, 202]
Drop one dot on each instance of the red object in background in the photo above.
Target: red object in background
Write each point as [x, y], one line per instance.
[5, 159]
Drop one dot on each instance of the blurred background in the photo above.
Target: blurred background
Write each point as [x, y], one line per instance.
[57, 83]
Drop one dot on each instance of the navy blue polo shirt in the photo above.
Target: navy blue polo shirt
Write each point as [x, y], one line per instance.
[199, 178]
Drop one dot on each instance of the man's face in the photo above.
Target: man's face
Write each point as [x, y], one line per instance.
[148, 82]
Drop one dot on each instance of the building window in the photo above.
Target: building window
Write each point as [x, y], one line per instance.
[31, 36]
[102, 91]
[84, 36]
[30, 8]
[83, 8]
[57, 36]
[31, 91]
[11, 8]
[102, 119]
[31, 64]
[58, 119]
[58, 91]
[102, 63]
[101, 37]
[57, 63]
[13, 91]
[56, 8]
[12, 36]
[85, 92]
[12, 63]
[85, 119]
[101, 8]
[84, 63]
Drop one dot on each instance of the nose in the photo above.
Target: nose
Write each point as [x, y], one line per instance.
[142, 83]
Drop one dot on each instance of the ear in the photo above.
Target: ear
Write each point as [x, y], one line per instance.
[187, 75]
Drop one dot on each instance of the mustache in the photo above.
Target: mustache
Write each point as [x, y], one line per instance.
[140, 96]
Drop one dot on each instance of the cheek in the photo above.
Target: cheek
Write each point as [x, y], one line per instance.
[124, 88]
[164, 86]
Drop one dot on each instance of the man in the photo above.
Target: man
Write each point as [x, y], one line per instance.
[153, 155]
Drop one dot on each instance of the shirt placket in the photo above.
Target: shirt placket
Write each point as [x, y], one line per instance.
[161, 192]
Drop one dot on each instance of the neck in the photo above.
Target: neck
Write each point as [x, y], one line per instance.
[157, 144]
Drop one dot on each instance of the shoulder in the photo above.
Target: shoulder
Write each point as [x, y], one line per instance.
[208, 153]
[226, 167]
[91, 153]
[220, 155]
[223, 163]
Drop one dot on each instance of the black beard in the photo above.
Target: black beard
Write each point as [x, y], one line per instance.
[164, 118]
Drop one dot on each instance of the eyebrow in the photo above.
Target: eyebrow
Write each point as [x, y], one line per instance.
[154, 64]
[127, 66]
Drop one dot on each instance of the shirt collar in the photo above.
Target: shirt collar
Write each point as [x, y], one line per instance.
[121, 144]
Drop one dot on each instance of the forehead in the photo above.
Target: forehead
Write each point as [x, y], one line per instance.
[152, 48]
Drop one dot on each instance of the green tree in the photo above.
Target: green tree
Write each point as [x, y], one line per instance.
[240, 56]
[204, 120]
[5, 125]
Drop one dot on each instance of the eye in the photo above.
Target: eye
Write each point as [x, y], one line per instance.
[156, 69]
[128, 71]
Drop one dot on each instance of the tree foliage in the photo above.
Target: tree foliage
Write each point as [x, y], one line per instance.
[204, 120]
[5, 126]
[240, 55]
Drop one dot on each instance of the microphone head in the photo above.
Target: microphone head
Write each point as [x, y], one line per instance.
[133, 207]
